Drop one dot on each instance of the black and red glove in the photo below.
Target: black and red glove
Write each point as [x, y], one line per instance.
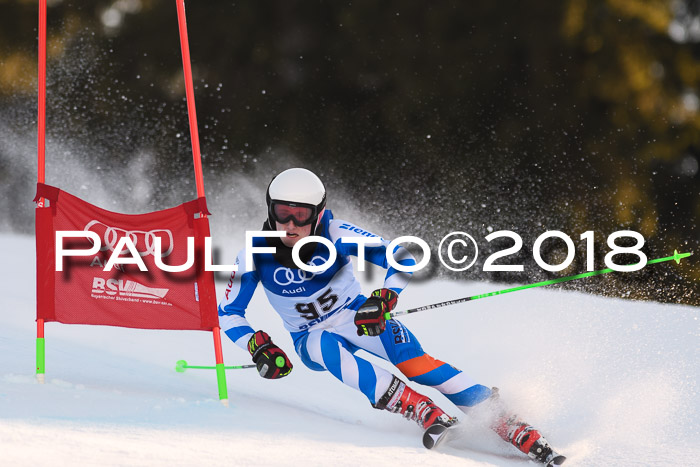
[271, 361]
[369, 319]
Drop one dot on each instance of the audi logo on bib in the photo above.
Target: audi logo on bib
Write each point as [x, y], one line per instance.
[285, 276]
[142, 240]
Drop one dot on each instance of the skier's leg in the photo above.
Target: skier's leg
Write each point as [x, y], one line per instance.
[322, 350]
[400, 347]
[512, 429]
[403, 350]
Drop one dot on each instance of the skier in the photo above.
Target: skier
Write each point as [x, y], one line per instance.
[329, 319]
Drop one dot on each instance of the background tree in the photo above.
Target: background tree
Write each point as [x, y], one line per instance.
[575, 115]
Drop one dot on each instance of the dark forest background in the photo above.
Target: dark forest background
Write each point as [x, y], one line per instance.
[425, 117]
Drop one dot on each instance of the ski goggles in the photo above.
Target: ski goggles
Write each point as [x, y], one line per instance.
[300, 214]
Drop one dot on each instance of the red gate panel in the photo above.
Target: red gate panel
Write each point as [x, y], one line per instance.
[83, 293]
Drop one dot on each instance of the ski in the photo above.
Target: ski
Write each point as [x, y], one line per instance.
[556, 460]
[541, 452]
[436, 434]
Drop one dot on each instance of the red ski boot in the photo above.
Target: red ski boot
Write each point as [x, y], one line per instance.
[523, 436]
[400, 398]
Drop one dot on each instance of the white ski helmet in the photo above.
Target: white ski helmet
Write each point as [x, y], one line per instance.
[297, 195]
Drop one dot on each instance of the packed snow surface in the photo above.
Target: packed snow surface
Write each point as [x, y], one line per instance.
[608, 381]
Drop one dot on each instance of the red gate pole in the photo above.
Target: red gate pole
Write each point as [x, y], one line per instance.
[41, 152]
[196, 155]
[189, 90]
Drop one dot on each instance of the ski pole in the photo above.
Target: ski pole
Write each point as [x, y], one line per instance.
[676, 257]
[181, 366]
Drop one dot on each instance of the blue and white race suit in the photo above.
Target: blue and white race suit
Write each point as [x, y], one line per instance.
[318, 309]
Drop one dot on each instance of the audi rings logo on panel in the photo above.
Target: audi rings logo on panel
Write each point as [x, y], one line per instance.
[144, 241]
[285, 276]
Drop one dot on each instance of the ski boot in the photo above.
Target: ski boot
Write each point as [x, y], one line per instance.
[400, 398]
[523, 436]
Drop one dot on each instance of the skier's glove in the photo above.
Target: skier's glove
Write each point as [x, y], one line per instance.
[271, 361]
[369, 319]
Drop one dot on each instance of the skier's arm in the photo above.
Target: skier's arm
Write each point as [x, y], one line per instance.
[374, 253]
[370, 318]
[239, 291]
[397, 280]
[270, 360]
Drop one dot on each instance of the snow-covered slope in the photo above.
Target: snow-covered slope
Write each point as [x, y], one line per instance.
[609, 382]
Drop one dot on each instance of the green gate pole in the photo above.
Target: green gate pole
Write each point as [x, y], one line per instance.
[40, 357]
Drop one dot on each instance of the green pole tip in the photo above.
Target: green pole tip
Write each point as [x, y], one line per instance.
[279, 361]
[679, 256]
[180, 366]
